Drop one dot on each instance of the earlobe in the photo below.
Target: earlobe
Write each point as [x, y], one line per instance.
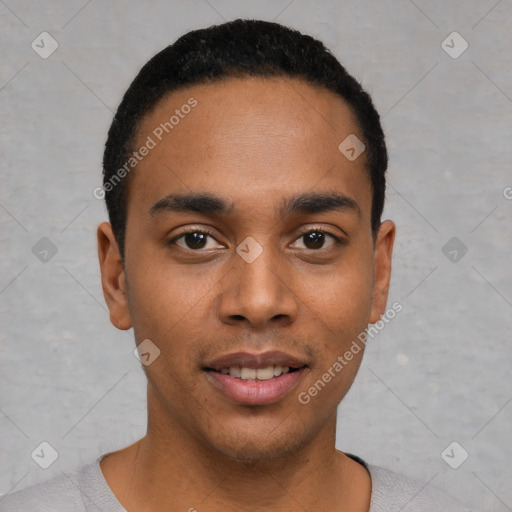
[383, 254]
[113, 279]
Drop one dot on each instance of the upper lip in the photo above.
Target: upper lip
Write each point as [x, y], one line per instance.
[255, 361]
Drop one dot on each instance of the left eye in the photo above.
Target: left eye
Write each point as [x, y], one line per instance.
[316, 239]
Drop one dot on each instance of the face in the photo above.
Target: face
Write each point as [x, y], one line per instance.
[249, 263]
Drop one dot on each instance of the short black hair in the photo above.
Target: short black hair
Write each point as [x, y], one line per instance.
[239, 48]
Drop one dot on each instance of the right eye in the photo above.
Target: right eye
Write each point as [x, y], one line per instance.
[195, 240]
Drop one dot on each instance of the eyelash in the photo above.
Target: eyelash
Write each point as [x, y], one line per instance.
[338, 240]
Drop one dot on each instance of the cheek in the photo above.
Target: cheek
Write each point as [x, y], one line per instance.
[342, 299]
[170, 305]
[167, 306]
[340, 307]
[164, 294]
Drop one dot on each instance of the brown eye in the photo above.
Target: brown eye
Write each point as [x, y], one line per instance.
[316, 239]
[195, 240]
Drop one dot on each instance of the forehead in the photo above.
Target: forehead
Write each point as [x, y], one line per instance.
[248, 137]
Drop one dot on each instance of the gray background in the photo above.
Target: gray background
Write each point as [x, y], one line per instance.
[439, 372]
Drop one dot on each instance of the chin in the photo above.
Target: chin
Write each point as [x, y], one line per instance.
[252, 447]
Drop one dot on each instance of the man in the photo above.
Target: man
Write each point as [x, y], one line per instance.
[244, 175]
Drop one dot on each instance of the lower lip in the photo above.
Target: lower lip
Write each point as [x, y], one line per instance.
[255, 392]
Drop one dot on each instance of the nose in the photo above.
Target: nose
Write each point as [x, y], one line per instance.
[258, 294]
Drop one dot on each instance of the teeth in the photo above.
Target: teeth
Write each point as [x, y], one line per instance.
[251, 374]
[265, 373]
[278, 370]
[235, 372]
[248, 373]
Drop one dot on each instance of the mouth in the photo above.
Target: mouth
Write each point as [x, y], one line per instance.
[255, 379]
[256, 374]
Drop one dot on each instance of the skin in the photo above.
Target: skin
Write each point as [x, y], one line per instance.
[254, 142]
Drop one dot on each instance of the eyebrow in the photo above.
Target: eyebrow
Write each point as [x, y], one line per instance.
[310, 202]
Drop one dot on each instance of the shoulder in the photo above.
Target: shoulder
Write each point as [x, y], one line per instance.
[84, 490]
[393, 492]
[60, 493]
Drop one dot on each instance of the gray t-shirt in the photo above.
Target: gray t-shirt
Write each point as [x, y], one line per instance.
[86, 490]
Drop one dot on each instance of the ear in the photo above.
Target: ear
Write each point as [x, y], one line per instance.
[382, 256]
[113, 279]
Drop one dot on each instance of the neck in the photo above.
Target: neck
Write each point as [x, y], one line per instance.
[171, 467]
